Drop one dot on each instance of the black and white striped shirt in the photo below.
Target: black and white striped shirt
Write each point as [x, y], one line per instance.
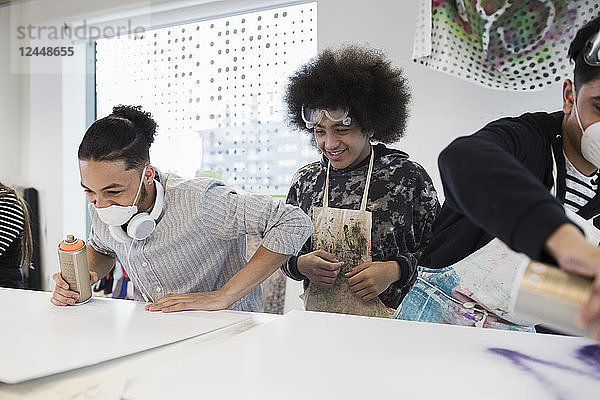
[12, 220]
[580, 189]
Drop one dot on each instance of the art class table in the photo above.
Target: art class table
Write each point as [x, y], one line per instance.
[307, 355]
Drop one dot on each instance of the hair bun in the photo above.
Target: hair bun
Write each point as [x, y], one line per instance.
[142, 120]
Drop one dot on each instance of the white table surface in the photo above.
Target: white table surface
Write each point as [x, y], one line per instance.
[306, 355]
[39, 339]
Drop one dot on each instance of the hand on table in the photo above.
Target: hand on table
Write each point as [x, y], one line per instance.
[369, 280]
[207, 301]
[62, 296]
[320, 267]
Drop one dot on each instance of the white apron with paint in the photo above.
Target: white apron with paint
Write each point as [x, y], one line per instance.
[347, 235]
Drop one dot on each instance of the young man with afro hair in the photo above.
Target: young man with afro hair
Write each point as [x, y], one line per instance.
[372, 207]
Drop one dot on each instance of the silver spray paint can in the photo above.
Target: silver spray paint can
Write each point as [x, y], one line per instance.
[72, 257]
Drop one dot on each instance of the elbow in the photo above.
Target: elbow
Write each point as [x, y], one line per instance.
[455, 156]
[453, 151]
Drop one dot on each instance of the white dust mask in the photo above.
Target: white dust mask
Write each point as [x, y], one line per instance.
[118, 215]
[590, 140]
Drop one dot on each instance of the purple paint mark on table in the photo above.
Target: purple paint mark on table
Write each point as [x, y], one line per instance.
[589, 355]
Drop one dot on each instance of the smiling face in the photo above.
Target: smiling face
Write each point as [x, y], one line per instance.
[344, 146]
[108, 183]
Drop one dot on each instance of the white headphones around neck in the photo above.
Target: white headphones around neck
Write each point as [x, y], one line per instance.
[141, 225]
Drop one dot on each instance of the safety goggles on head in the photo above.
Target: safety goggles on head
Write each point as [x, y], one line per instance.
[313, 116]
[591, 51]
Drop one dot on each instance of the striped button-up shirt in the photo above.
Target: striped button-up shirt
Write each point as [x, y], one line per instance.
[199, 241]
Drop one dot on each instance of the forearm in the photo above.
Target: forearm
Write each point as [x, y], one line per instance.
[406, 275]
[290, 269]
[563, 243]
[407, 263]
[393, 271]
[262, 265]
[99, 263]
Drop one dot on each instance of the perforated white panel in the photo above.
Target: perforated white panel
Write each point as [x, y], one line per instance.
[215, 89]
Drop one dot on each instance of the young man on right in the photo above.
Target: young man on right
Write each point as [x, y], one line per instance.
[498, 184]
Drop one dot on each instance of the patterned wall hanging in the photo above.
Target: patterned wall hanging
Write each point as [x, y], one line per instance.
[501, 44]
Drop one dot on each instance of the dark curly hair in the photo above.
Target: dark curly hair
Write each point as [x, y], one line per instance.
[584, 73]
[125, 135]
[359, 78]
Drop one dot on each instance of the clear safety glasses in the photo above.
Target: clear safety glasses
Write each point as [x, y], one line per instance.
[591, 50]
[312, 116]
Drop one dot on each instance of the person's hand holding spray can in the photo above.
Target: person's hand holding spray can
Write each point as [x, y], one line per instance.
[74, 281]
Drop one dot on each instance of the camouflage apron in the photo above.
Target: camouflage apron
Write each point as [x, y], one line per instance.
[479, 290]
[347, 235]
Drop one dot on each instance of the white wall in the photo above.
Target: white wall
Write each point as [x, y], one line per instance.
[10, 110]
[42, 115]
[47, 118]
[443, 107]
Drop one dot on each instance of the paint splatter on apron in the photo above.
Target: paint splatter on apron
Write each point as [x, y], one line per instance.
[513, 45]
[347, 235]
[480, 290]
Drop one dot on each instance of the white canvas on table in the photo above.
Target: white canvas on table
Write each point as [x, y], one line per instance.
[38, 339]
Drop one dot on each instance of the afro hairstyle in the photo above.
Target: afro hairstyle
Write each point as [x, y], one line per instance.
[360, 78]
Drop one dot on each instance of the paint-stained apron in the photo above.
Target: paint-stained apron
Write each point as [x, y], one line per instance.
[347, 235]
[479, 290]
